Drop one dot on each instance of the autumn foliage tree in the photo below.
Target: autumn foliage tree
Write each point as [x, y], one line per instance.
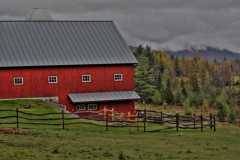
[187, 81]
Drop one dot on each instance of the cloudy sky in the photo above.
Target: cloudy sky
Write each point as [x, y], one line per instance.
[172, 24]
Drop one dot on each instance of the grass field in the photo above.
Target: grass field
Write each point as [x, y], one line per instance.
[87, 141]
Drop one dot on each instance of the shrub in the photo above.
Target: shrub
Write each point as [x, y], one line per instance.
[232, 116]
[223, 111]
[179, 98]
[205, 106]
[157, 98]
[187, 107]
[195, 99]
[121, 156]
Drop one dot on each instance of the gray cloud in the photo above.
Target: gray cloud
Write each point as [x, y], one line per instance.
[161, 23]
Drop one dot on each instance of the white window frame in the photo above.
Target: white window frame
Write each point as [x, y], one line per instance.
[84, 107]
[18, 84]
[118, 79]
[89, 79]
[51, 82]
[92, 105]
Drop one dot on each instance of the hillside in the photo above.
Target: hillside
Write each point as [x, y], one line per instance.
[192, 83]
[92, 142]
[209, 53]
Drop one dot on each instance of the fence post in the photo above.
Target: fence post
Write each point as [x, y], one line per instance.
[63, 126]
[144, 120]
[194, 121]
[210, 120]
[106, 119]
[177, 122]
[214, 123]
[137, 118]
[17, 117]
[161, 117]
[201, 118]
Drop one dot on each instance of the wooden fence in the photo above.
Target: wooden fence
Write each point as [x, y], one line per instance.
[142, 119]
[178, 121]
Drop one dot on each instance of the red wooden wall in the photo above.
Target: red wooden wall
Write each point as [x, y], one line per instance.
[119, 106]
[69, 81]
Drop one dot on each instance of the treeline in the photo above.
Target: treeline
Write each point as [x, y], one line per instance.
[191, 82]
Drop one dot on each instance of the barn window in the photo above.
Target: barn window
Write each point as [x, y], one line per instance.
[86, 78]
[18, 81]
[92, 107]
[82, 107]
[118, 77]
[52, 79]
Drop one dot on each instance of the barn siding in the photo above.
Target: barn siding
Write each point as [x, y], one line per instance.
[119, 106]
[69, 81]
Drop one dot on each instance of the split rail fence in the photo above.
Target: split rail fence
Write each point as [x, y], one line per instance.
[178, 121]
[142, 119]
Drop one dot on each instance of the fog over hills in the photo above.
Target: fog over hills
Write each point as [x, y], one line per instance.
[210, 53]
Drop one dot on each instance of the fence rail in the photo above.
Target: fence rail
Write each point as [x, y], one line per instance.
[179, 121]
[109, 119]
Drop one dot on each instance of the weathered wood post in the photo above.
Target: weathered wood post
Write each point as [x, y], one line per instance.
[214, 123]
[194, 121]
[104, 112]
[112, 114]
[145, 120]
[161, 118]
[201, 118]
[17, 117]
[177, 122]
[137, 119]
[106, 119]
[63, 125]
[211, 120]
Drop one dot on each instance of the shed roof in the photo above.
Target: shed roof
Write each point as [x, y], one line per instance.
[103, 96]
[59, 43]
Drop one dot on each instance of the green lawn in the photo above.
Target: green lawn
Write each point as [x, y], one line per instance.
[87, 141]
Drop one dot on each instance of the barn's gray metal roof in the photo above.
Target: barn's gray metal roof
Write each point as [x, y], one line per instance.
[60, 43]
[103, 96]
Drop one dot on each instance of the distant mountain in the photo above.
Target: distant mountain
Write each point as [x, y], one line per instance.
[209, 53]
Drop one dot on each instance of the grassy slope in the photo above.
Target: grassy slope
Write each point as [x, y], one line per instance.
[92, 142]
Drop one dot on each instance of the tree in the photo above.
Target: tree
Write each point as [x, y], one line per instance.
[194, 82]
[157, 98]
[177, 68]
[205, 106]
[232, 116]
[168, 95]
[196, 99]
[194, 75]
[187, 107]
[223, 111]
[147, 92]
[163, 79]
[184, 91]
[144, 80]
[179, 98]
[138, 51]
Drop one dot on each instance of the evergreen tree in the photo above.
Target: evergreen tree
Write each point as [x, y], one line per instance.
[187, 107]
[177, 68]
[194, 82]
[164, 79]
[144, 79]
[184, 91]
[168, 95]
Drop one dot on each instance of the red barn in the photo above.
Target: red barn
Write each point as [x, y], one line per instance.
[85, 65]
